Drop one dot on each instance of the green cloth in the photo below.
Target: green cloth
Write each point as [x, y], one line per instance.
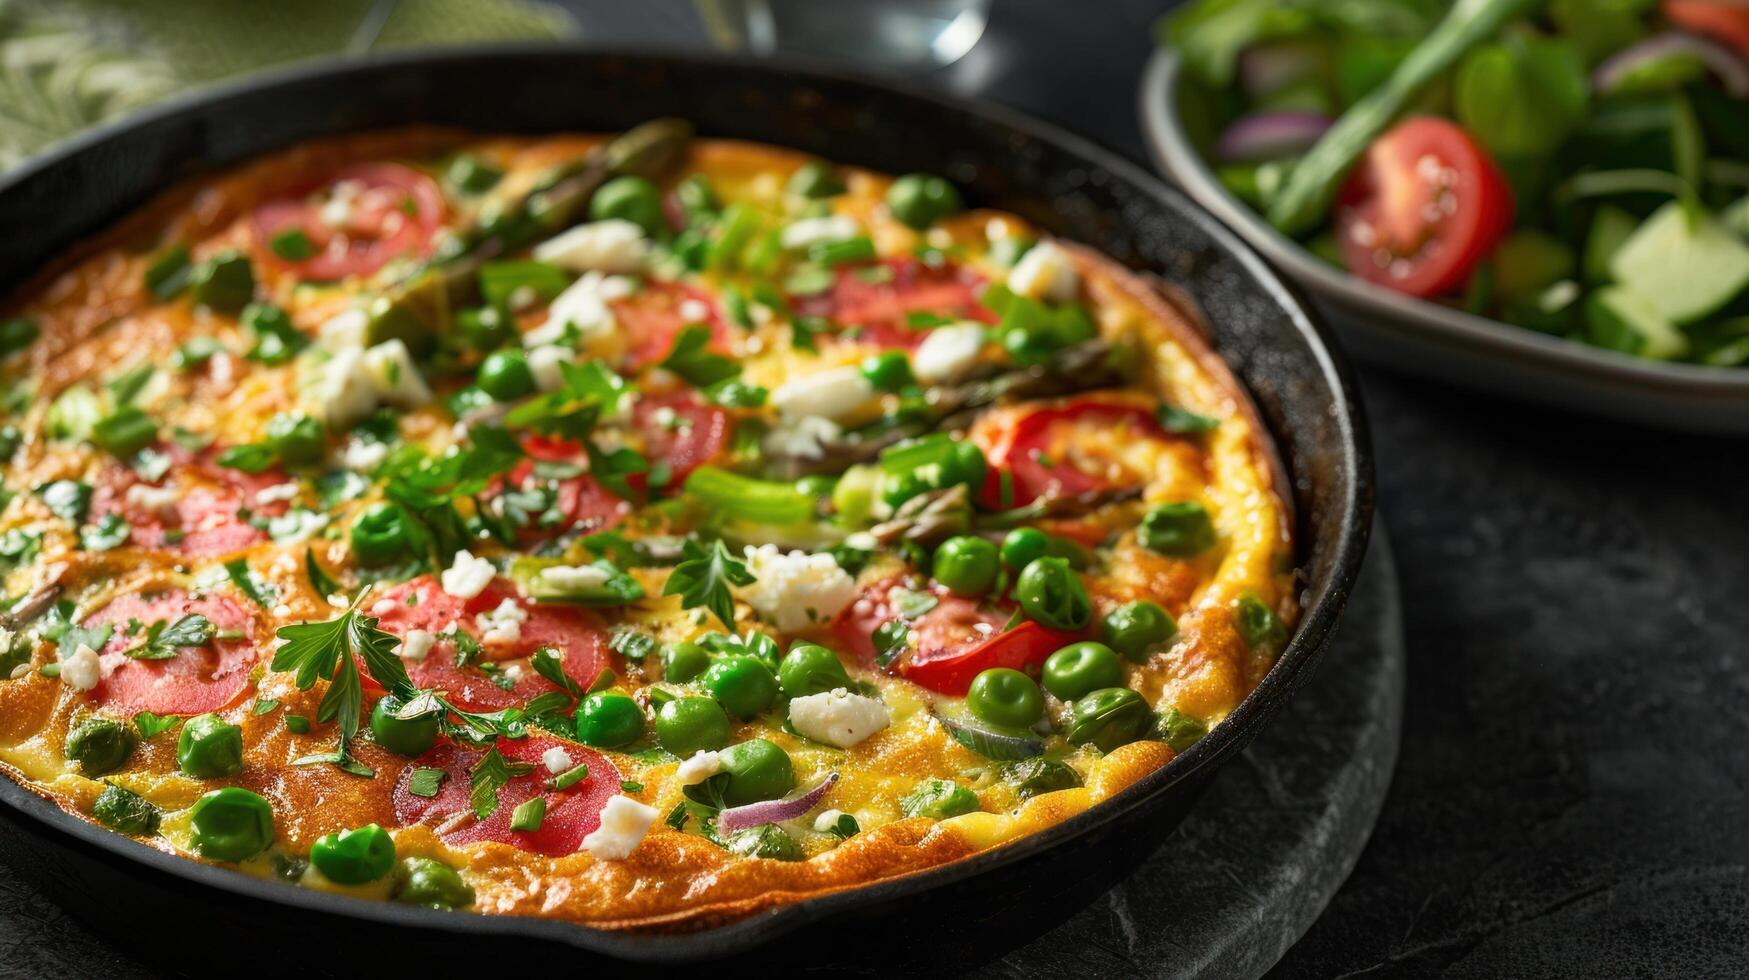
[66, 64]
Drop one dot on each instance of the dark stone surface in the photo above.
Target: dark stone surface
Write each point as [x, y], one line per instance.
[1572, 794]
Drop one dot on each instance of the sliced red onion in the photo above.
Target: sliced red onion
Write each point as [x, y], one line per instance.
[1726, 65]
[736, 819]
[1270, 136]
[1265, 69]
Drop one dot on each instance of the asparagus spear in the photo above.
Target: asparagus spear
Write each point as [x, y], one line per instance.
[1312, 184]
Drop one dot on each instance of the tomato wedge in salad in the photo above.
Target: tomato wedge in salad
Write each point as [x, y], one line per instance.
[1062, 451]
[879, 299]
[421, 604]
[572, 813]
[353, 223]
[954, 640]
[195, 679]
[1424, 207]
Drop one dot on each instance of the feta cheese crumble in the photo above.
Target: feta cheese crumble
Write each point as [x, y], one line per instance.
[1045, 273]
[581, 307]
[819, 231]
[467, 576]
[363, 454]
[803, 438]
[573, 578]
[415, 645]
[277, 493]
[543, 363]
[158, 500]
[703, 765]
[557, 760]
[836, 394]
[838, 717]
[796, 590]
[624, 822]
[503, 625]
[81, 671]
[947, 352]
[614, 245]
[394, 376]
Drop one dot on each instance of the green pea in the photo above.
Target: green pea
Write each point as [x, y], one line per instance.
[382, 535]
[125, 811]
[809, 668]
[966, 565]
[100, 745]
[231, 824]
[409, 737]
[210, 747]
[741, 684]
[1108, 718]
[485, 328]
[920, 200]
[888, 370]
[224, 282]
[1081, 668]
[757, 770]
[431, 883]
[1022, 545]
[1257, 623]
[1181, 529]
[353, 857]
[1179, 730]
[630, 198]
[1041, 775]
[686, 725]
[125, 431]
[1006, 698]
[505, 375]
[815, 180]
[609, 721]
[683, 660]
[1050, 593]
[767, 840]
[938, 799]
[297, 438]
[1137, 629]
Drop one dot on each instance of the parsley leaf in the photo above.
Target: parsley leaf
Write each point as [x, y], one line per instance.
[69, 500]
[321, 581]
[1181, 421]
[489, 776]
[703, 579]
[547, 663]
[251, 584]
[151, 725]
[326, 651]
[110, 531]
[692, 359]
[611, 469]
[589, 391]
[163, 642]
[426, 782]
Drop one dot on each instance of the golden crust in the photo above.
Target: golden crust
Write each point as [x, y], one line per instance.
[95, 315]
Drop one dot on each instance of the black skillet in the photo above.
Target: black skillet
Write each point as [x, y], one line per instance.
[192, 917]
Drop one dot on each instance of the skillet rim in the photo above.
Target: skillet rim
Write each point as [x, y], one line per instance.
[1301, 654]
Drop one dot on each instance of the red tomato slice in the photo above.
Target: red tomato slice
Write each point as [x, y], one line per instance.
[422, 604]
[652, 318]
[207, 519]
[572, 813]
[583, 505]
[357, 220]
[1044, 457]
[680, 429]
[1425, 206]
[880, 308]
[1725, 20]
[956, 640]
[197, 679]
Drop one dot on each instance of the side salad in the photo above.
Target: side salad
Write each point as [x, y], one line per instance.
[1575, 167]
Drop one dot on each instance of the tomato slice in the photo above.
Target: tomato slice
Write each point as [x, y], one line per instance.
[208, 516]
[357, 220]
[1062, 451]
[421, 604]
[680, 429]
[908, 286]
[652, 318]
[1725, 20]
[1425, 206]
[197, 679]
[956, 640]
[582, 504]
[572, 813]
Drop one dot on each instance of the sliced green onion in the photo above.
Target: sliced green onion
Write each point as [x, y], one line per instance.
[749, 499]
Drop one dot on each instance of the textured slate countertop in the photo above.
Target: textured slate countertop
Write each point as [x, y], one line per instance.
[1572, 794]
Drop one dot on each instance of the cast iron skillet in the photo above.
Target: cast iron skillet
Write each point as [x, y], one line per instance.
[951, 916]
